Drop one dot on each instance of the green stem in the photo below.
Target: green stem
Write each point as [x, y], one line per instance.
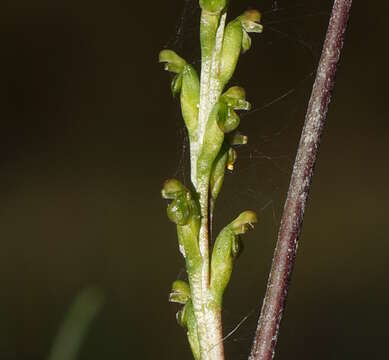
[208, 115]
[208, 317]
[211, 35]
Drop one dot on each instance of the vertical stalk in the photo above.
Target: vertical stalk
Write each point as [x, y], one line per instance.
[208, 318]
[211, 36]
[291, 223]
[208, 115]
[210, 90]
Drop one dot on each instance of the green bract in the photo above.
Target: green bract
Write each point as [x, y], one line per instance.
[211, 117]
[217, 174]
[190, 98]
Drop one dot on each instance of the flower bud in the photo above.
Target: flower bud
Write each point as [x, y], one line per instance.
[236, 40]
[250, 21]
[244, 222]
[172, 188]
[235, 92]
[227, 247]
[235, 97]
[180, 292]
[232, 44]
[173, 62]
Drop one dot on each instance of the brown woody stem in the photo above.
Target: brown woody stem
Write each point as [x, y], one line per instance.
[291, 222]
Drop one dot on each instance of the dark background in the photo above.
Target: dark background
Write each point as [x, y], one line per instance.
[89, 132]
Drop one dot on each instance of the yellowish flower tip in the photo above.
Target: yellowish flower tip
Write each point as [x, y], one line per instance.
[250, 22]
[245, 140]
[248, 216]
[252, 15]
[232, 156]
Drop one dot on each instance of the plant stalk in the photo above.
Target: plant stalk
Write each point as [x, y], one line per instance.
[208, 116]
[291, 223]
[209, 324]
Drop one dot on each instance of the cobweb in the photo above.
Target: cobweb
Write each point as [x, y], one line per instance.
[277, 74]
